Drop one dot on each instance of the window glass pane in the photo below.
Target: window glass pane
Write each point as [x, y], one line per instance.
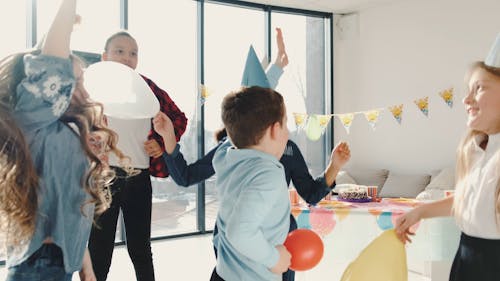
[12, 27]
[303, 82]
[229, 32]
[166, 34]
[13, 30]
[99, 20]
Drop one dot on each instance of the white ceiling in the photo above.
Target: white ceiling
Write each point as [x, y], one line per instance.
[331, 6]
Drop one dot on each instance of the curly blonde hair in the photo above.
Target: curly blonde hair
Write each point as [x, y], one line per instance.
[19, 191]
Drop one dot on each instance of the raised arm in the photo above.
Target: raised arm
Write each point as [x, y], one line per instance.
[282, 57]
[58, 37]
[182, 173]
[309, 188]
[275, 71]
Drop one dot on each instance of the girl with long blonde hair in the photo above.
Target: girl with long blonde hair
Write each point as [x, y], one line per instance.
[476, 202]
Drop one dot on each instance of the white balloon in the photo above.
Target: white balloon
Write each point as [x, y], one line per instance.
[122, 91]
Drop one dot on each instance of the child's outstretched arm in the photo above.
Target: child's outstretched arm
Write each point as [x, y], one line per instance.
[339, 157]
[58, 37]
[282, 58]
[275, 71]
[182, 173]
[439, 208]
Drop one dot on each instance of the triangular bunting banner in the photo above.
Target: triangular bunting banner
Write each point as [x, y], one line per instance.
[372, 117]
[397, 112]
[323, 121]
[447, 96]
[300, 119]
[346, 120]
[423, 105]
[204, 93]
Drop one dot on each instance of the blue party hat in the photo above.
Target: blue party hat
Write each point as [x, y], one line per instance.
[254, 74]
[493, 58]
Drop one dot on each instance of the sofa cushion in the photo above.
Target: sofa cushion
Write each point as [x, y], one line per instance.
[343, 177]
[431, 194]
[444, 180]
[369, 177]
[401, 185]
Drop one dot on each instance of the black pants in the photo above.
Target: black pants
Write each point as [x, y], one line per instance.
[476, 259]
[133, 196]
[289, 275]
[215, 276]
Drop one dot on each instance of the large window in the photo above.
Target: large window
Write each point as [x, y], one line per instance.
[303, 84]
[98, 20]
[166, 35]
[178, 49]
[12, 27]
[226, 48]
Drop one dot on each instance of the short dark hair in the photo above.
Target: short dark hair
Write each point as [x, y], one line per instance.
[117, 34]
[248, 112]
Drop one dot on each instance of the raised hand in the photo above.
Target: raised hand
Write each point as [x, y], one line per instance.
[282, 58]
[165, 128]
[340, 155]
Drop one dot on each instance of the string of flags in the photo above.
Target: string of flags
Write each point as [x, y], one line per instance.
[315, 125]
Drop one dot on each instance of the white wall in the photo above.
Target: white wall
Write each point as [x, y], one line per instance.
[402, 52]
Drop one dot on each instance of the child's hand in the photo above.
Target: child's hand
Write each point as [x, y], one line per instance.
[340, 155]
[153, 149]
[404, 223]
[282, 58]
[163, 126]
[283, 262]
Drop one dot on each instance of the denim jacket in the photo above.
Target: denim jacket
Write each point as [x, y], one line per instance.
[61, 163]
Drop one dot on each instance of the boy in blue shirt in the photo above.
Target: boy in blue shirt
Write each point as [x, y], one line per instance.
[254, 207]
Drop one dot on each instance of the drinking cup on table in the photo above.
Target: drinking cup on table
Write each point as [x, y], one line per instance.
[294, 196]
[372, 192]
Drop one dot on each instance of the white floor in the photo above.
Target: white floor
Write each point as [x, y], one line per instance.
[192, 258]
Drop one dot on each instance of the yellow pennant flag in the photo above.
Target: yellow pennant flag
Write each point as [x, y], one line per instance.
[346, 120]
[323, 120]
[447, 96]
[300, 119]
[423, 105]
[372, 117]
[397, 112]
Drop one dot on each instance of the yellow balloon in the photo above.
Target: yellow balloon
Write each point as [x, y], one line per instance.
[313, 130]
[370, 266]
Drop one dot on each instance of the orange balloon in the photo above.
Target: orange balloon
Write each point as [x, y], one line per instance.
[306, 248]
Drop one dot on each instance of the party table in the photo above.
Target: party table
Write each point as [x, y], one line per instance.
[347, 228]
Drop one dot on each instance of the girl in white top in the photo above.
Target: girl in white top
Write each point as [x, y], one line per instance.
[476, 203]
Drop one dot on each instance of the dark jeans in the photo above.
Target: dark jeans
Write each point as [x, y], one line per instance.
[46, 264]
[133, 196]
[289, 275]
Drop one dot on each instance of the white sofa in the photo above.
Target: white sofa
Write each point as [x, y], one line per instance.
[393, 184]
